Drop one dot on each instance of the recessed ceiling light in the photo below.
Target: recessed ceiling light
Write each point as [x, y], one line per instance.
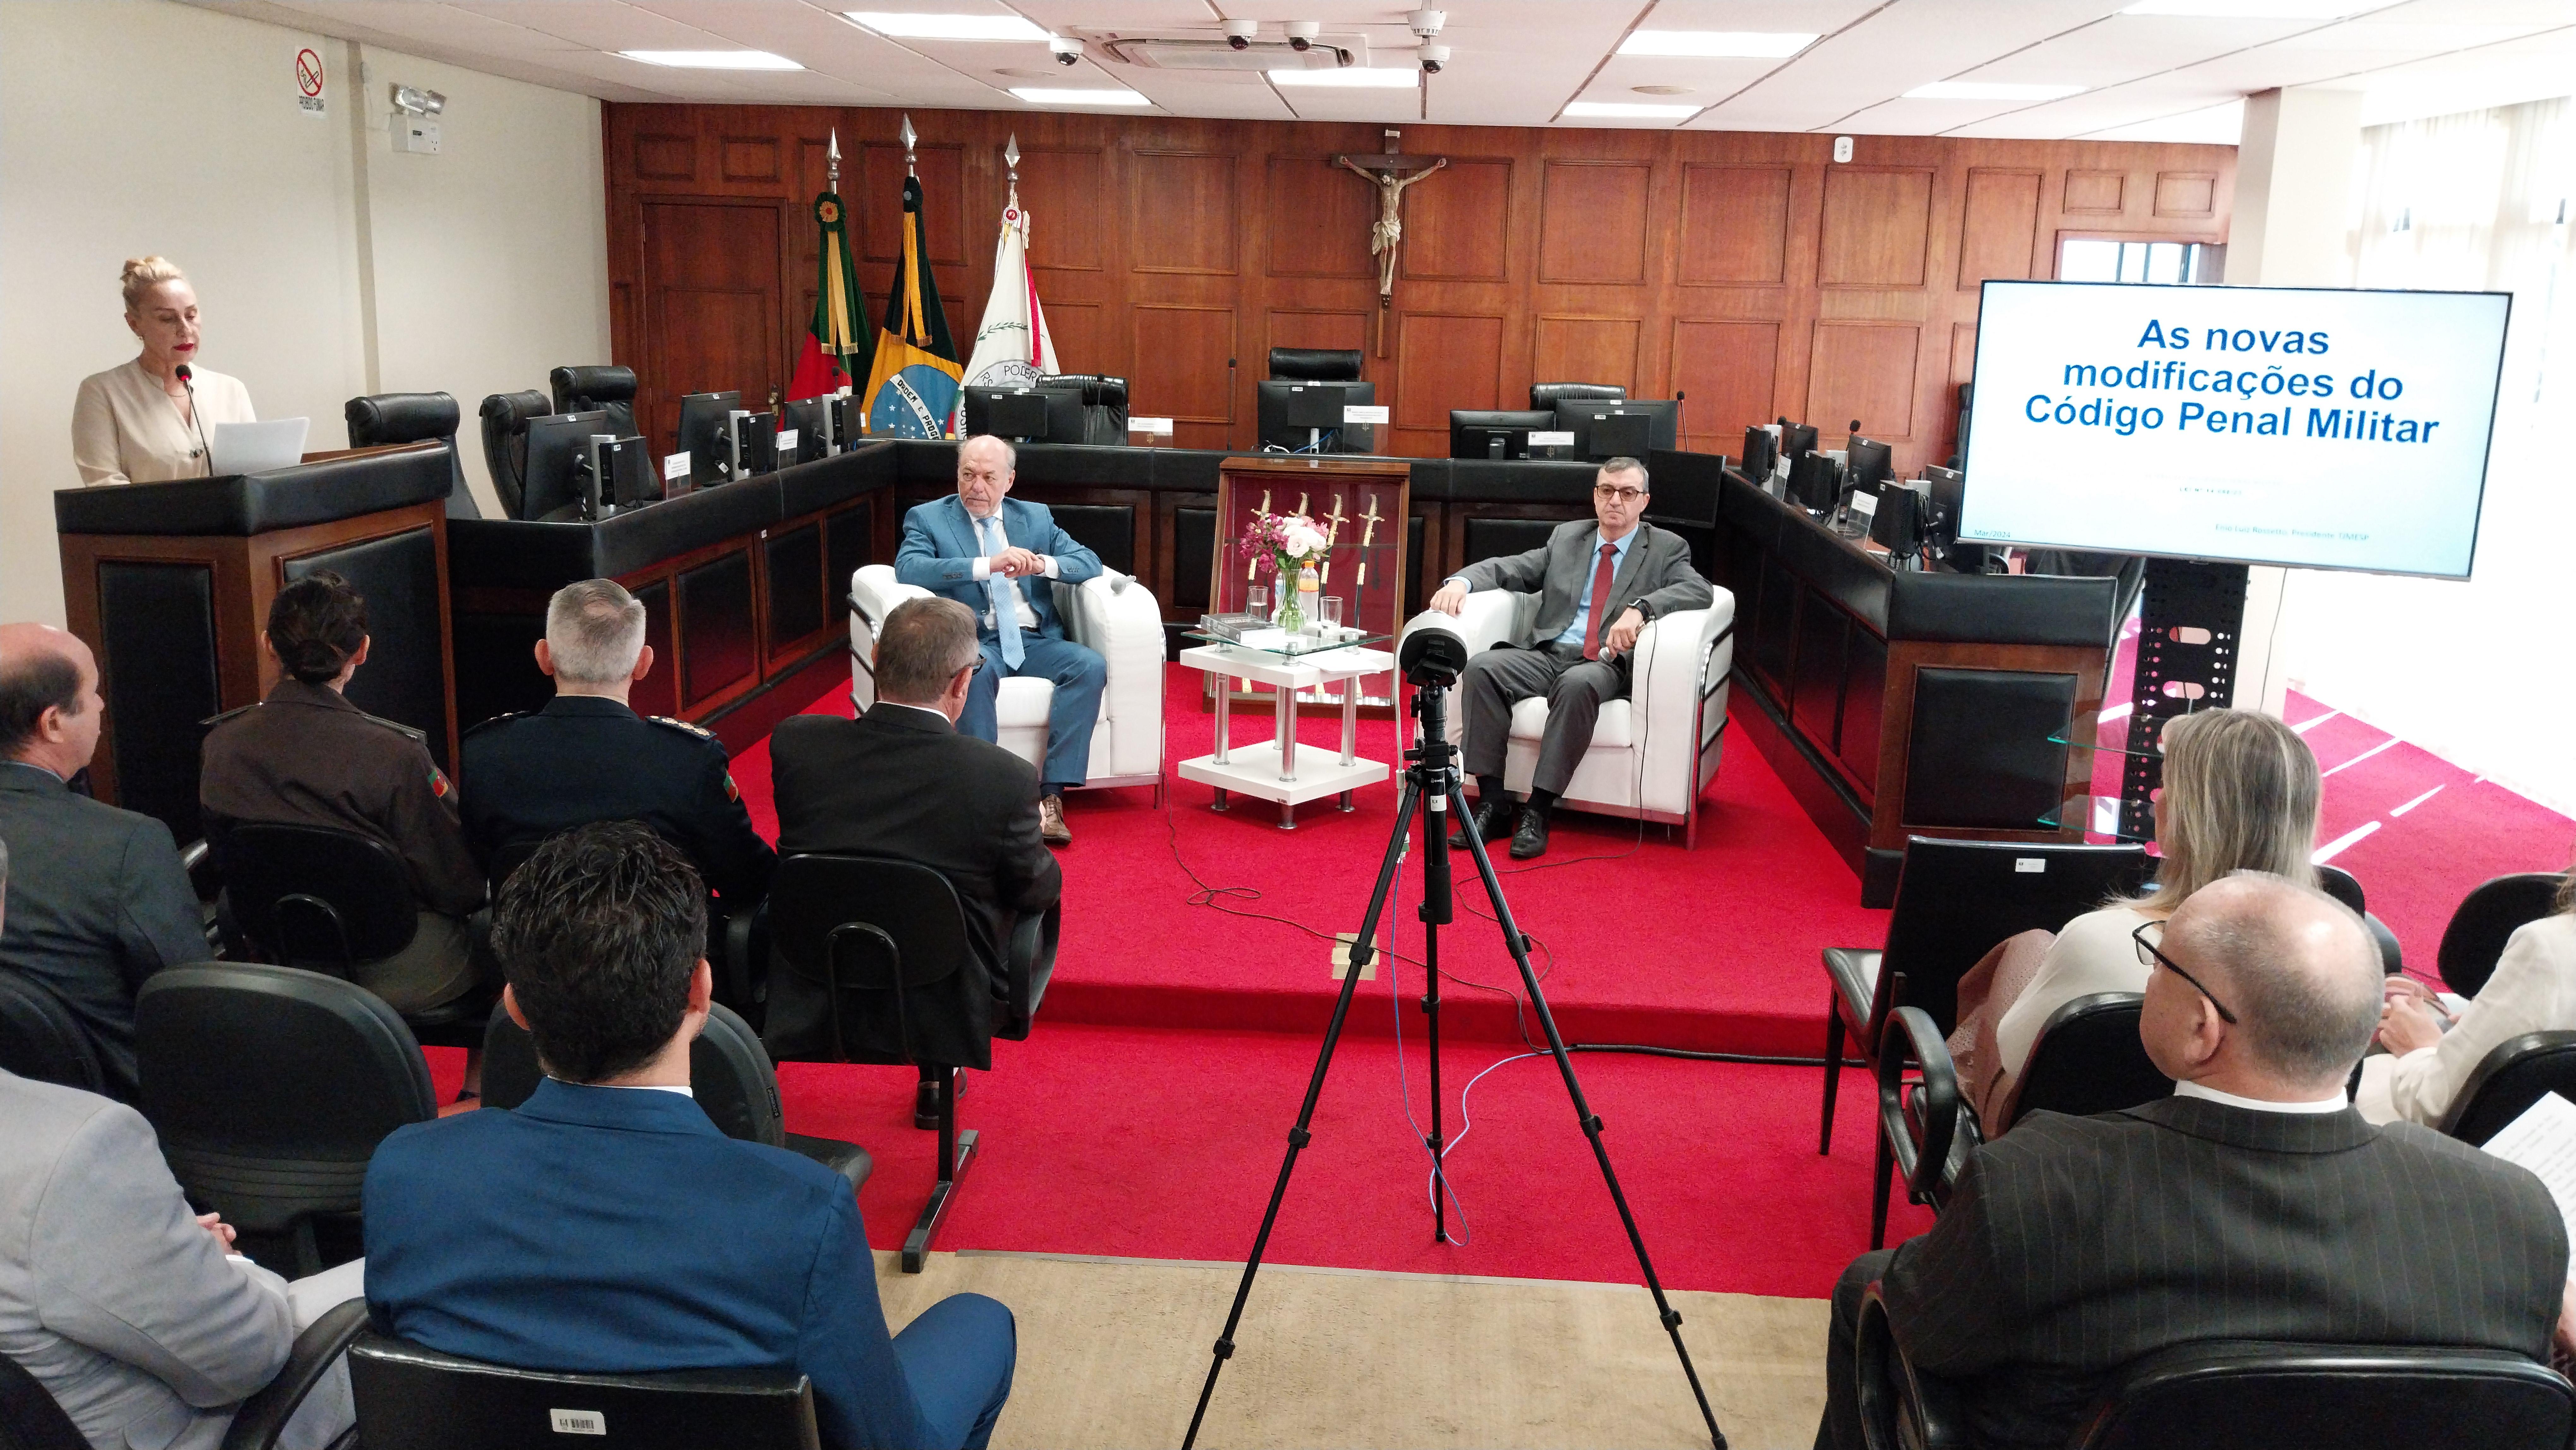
[904, 25]
[1078, 96]
[1381, 77]
[1770, 44]
[2249, 9]
[1989, 91]
[1662, 90]
[713, 59]
[1628, 111]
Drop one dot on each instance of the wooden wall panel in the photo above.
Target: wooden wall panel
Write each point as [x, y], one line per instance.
[1181, 212]
[1735, 225]
[1592, 221]
[1877, 228]
[1999, 235]
[1749, 270]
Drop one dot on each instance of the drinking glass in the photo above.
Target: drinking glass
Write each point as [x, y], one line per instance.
[1256, 599]
[1332, 612]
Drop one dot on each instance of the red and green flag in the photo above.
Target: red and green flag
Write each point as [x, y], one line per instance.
[823, 364]
[913, 384]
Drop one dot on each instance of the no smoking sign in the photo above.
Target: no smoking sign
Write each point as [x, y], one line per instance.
[308, 81]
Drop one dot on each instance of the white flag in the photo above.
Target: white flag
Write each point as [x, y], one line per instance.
[1013, 348]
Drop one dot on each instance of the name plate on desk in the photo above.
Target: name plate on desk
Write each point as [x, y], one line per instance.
[1551, 438]
[1158, 426]
[786, 440]
[1364, 413]
[675, 467]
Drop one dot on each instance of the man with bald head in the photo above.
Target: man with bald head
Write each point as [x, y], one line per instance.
[996, 555]
[97, 898]
[2254, 1203]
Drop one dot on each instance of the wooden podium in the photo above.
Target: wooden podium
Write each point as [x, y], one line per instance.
[170, 583]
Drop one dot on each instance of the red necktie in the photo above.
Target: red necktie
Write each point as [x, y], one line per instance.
[1600, 602]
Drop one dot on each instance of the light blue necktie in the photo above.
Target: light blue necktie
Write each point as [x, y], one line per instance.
[1004, 591]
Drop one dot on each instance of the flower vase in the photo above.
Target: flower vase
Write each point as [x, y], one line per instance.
[1291, 618]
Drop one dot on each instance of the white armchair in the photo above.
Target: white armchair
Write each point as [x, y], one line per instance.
[1113, 614]
[1651, 762]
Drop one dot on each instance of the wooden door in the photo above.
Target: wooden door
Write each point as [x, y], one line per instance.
[712, 297]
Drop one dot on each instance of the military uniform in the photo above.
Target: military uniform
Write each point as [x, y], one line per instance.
[305, 756]
[587, 758]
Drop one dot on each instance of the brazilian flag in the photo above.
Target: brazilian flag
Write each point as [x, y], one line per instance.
[912, 388]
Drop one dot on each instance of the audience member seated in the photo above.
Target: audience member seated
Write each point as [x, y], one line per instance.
[588, 757]
[99, 901]
[2431, 1054]
[903, 781]
[606, 1226]
[984, 548]
[1599, 584]
[2252, 1204]
[305, 756]
[131, 1310]
[2240, 794]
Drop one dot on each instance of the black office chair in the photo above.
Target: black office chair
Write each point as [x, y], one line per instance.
[270, 1088]
[41, 1040]
[1104, 404]
[505, 445]
[2513, 1075]
[597, 388]
[730, 945]
[333, 901]
[882, 946]
[262, 1418]
[729, 1074]
[2248, 1395]
[1548, 395]
[411, 1398]
[1954, 901]
[2486, 919]
[1315, 364]
[414, 418]
[2340, 884]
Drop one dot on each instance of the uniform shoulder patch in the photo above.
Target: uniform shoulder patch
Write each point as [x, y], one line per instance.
[698, 731]
[439, 785]
[419, 735]
[495, 720]
[228, 714]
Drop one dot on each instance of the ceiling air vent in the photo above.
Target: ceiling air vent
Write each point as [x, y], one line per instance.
[1191, 53]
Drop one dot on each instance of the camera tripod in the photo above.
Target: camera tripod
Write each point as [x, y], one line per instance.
[1431, 774]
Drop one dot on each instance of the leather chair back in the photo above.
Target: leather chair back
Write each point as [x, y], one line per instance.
[414, 418]
[271, 1087]
[2240, 1395]
[317, 898]
[1956, 899]
[411, 1398]
[505, 445]
[1315, 364]
[41, 1040]
[30, 1418]
[2486, 919]
[2087, 1059]
[729, 1073]
[2512, 1076]
[1548, 395]
[1104, 405]
[2343, 886]
[597, 388]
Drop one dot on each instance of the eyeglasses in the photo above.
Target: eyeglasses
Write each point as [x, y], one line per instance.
[2149, 956]
[1618, 495]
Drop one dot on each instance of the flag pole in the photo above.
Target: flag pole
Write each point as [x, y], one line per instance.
[1011, 167]
[909, 136]
[832, 162]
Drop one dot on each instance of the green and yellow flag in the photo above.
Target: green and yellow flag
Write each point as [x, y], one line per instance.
[912, 388]
[823, 364]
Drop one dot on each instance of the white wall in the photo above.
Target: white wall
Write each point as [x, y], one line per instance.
[327, 265]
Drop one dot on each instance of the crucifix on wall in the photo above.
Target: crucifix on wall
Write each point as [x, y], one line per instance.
[1390, 171]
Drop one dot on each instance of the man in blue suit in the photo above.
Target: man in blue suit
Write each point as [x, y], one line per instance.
[996, 554]
[606, 1226]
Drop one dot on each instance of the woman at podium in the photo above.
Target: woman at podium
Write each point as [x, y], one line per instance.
[148, 421]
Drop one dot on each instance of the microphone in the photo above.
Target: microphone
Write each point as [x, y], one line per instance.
[187, 379]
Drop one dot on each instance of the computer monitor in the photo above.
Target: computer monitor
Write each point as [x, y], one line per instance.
[1630, 428]
[1815, 482]
[1796, 439]
[1761, 446]
[817, 423]
[1068, 417]
[558, 452]
[1898, 524]
[702, 434]
[750, 442]
[1867, 463]
[1019, 414]
[1484, 433]
[1300, 415]
[1948, 494]
[620, 474]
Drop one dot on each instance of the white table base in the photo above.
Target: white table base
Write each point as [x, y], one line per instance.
[1271, 770]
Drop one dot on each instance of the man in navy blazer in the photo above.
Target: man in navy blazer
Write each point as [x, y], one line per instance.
[996, 554]
[606, 1226]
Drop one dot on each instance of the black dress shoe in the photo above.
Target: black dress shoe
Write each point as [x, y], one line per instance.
[1531, 838]
[925, 1102]
[1493, 814]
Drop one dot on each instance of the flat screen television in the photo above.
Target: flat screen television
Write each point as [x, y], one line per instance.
[2308, 427]
[1297, 415]
[1631, 428]
[558, 447]
[1492, 433]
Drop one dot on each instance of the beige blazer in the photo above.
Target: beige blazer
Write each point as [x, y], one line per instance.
[2533, 990]
[125, 429]
[2094, 954]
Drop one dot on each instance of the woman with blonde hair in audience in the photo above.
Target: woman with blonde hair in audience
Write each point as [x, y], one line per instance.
[2240, 794]
[2431, 1053]
[148, 421]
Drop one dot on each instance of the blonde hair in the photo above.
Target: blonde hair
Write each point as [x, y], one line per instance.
[142, 274]
[2240, 795]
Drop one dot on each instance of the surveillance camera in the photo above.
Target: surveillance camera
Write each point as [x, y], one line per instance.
[1239, 33]
[1426, 23]
[1433, 58]
[1067, 50]
[1302, 33]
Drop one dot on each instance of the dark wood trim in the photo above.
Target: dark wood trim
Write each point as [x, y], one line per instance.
[1905, 659]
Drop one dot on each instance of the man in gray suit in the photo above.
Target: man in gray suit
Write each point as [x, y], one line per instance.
[2252, 1204]
[101, 901]
[1599, 585]
[133, 1312]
